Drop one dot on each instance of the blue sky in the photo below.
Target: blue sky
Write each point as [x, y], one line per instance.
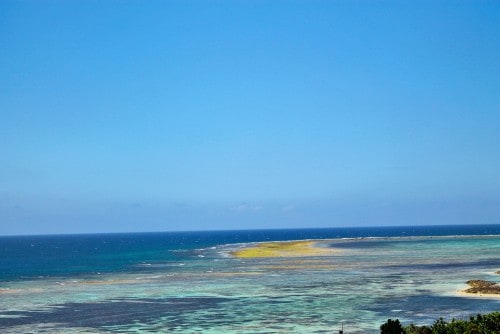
[197, 115]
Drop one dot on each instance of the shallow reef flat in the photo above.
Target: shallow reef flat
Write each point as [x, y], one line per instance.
[284, 249]
[304, 286]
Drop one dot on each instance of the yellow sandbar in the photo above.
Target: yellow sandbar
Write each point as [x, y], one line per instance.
[283, 249]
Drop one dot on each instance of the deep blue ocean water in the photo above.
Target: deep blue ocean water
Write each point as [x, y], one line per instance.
[188, 282]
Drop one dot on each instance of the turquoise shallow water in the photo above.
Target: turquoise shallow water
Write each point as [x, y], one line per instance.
[194, 285]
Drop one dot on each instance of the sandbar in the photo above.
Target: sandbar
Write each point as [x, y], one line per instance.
[463, 293]
[284, 249]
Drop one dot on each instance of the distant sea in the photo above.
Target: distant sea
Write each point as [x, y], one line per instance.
[189, 282]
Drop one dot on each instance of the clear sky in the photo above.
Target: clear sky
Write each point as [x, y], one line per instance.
[197, 115]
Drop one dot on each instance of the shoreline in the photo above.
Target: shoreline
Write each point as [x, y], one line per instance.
[463, 293]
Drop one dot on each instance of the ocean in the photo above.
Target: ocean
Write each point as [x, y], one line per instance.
[191, 282]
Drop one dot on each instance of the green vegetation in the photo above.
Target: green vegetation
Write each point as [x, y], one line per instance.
[480, 324]
[392, 327]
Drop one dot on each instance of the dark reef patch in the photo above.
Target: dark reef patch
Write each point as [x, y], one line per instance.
[112, 313]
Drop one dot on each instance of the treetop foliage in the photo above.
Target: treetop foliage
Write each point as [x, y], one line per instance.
[480, 324]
